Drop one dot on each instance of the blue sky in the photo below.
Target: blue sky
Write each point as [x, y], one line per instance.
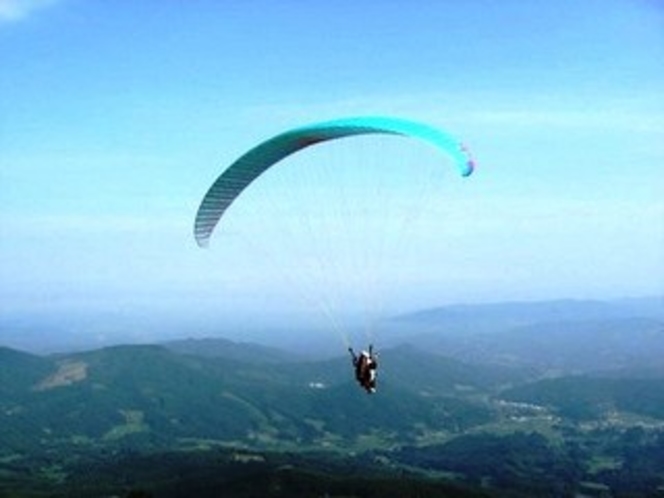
[115, 117]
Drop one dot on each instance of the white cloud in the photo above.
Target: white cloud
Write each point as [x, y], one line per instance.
[16, 10]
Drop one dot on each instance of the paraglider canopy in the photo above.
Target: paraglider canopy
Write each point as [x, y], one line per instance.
[239, 175]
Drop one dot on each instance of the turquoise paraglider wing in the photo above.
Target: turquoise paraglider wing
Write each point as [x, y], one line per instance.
[239, 175]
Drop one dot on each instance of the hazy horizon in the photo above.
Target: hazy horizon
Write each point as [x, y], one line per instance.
[62, 331]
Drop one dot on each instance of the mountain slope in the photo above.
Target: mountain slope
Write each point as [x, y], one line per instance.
[77, 421]
[19, 370]
[590, 398]
[224, 348]
[561, 346]
[150, 395]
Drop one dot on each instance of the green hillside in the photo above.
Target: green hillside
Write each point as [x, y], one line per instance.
[589, 398]
[150, 395]
[126, 418]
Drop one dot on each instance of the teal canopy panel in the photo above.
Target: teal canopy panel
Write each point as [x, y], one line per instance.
[240, 174]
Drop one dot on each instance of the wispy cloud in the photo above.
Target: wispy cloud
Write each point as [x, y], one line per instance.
[17, 10]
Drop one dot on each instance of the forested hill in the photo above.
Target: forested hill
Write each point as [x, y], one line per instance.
[151, 392]
[249, 352]
[147, 411]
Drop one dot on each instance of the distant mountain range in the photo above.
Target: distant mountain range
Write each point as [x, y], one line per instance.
[555, 337]
[90, 328]
[503, 425]
[495, 317]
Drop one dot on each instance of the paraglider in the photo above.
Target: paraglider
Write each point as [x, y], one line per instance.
[365, 365]
[230, 185]
[239, 175]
